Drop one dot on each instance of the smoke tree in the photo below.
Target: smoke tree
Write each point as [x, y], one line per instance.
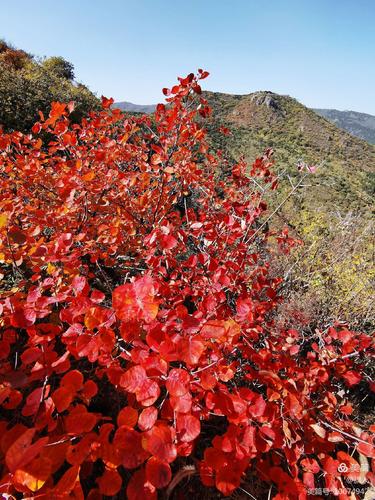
[138, 332]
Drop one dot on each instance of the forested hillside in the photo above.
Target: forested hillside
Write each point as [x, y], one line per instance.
[29, 85]
[330, 210]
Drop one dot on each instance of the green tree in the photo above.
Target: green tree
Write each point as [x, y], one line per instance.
[59, 67]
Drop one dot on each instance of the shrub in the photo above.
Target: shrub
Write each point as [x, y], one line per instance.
[138, 320]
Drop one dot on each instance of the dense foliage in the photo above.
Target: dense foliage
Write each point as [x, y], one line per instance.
[28, 85]
[139, 320]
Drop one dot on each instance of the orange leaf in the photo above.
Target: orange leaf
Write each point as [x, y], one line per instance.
[34, 475]
[89, 176]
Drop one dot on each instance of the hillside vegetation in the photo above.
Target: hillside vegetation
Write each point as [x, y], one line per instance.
[331, 210]
[29, 85]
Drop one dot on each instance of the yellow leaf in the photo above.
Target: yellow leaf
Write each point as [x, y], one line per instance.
[29, 480]
[50, 268]
[3, 220]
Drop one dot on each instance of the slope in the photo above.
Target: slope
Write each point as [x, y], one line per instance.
[331, 210]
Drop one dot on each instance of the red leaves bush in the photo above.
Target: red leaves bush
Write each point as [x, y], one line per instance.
[137, 309]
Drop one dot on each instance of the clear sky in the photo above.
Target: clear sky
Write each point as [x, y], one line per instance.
[320, 51]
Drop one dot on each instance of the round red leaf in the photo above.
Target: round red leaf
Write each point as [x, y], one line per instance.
[158, 472]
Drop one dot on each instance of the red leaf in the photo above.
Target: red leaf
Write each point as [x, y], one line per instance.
[178, 382]
[158, 472]
[97, 316]
[68, 481]
[310, 465]
[213, 329]
[181, 404]
[147, 418]
[348, 467]
[110, 482]
[33, 401]
[129, 445]
[257, 407]
[203, 74]
[148, 392]
[63, 397]
[188, 427]
[22, 318]
[136, 300]
[33, 475]
[107, 103]
[190, 350]
[21, 452]
[17, 236]
[228, 478]
[31, 355]
[89, 390]
[139, 488]
[366, 449]
[132, 379]
[158, 441]
[352, 378]
[127, 416]
[80, 420]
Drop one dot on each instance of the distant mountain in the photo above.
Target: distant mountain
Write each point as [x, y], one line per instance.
[359, 124]
[135, 108]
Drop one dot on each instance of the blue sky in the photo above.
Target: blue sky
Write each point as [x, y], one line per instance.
[320, 51]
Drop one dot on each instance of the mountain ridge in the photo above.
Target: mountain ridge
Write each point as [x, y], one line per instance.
[358, 124]
[135, 108]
